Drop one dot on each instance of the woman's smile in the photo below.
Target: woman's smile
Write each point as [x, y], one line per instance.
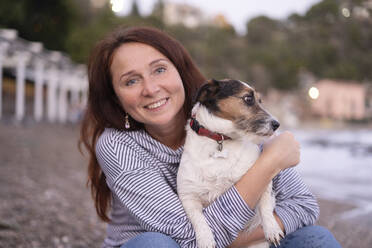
[158, 105]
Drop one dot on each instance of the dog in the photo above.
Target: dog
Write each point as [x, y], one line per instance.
[222, 142]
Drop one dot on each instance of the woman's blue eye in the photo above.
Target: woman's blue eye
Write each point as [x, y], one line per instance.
[160, 70]
[130, 82]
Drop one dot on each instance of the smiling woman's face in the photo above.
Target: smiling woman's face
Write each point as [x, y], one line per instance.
[147, 85]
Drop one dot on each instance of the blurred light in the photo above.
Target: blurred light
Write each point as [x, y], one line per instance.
[117, 5]
[313, 93]
[346, 12]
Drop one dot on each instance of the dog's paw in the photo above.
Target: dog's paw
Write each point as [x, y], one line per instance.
[273, 232]
[274, 236]
[205, 239]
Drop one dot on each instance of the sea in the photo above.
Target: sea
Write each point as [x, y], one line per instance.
[337, 165]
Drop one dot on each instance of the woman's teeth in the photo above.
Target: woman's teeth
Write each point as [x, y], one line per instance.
[156, 104]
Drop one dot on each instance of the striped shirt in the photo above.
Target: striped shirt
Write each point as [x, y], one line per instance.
[141, 173]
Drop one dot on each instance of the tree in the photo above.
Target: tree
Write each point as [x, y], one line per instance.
[46, 21]
[262, 30]
[135, 10]
[158, 10]
[326, 11]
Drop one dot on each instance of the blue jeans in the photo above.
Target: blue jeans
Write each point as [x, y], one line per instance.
[309, 237]
[306, 237]
[151, 240]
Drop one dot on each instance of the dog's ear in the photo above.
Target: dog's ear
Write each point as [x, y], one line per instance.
[207, 90]
[206, 94]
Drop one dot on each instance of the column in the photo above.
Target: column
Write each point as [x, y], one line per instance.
[52, 93]
[75, 109]
[22, 59]
[38, 91]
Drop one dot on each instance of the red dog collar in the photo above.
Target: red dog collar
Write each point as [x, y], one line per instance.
[200, 130]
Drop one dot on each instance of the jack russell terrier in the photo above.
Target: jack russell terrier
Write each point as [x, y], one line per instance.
[222, 142]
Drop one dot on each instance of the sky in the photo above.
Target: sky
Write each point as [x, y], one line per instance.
[237, 12]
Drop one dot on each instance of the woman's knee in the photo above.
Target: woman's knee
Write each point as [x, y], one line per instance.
[151, 240]
[309, 237]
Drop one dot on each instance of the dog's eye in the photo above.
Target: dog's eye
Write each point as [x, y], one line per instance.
[249, 99]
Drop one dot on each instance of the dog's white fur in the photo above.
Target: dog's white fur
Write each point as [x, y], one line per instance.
[204, 174]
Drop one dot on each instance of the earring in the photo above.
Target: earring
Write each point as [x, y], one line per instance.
[127, 124]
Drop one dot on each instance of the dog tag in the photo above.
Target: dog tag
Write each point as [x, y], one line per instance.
[220, 154]
[220, 146]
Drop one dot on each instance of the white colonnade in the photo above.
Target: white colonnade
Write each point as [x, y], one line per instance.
[66, 82]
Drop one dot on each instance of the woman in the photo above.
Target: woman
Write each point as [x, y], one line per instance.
[141, 82]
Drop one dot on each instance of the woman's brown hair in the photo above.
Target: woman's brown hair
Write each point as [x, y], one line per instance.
[103, 107]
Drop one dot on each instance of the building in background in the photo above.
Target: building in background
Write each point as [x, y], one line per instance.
[179, 13]
[191, 16]
[341, 100]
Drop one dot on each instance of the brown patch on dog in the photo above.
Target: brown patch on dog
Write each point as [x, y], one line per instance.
[250, 118]
[233, 107]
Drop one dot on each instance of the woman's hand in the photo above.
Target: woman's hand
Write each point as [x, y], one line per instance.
[281, 151]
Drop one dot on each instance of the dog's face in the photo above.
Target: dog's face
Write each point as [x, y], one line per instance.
[238, 102]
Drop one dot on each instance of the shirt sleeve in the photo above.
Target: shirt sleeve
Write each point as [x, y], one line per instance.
[156, 206]
[296, 206]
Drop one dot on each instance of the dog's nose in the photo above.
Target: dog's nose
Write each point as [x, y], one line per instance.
[275, 124]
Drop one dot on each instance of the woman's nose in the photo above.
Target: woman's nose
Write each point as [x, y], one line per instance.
[150, 87]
